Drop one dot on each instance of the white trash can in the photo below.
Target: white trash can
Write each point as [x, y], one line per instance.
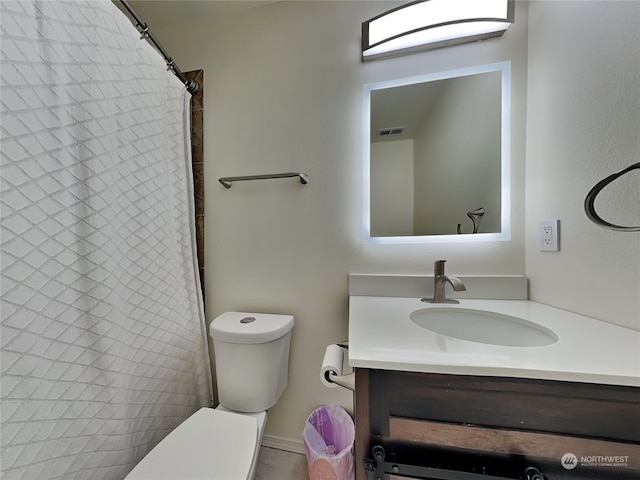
[328, 437]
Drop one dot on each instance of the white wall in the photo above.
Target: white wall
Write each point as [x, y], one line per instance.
[458, 146]
[284, 93]
[391, 188]
[583, 124]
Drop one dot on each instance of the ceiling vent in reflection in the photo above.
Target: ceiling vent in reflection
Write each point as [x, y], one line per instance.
[390, 132]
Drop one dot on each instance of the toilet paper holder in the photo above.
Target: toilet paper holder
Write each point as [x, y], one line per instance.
[332, 371]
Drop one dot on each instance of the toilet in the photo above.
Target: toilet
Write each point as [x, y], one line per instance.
[252, 364]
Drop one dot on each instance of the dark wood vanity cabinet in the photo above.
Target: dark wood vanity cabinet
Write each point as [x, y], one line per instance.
[474, 423]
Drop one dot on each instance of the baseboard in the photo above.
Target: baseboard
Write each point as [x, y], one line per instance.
[287, 444]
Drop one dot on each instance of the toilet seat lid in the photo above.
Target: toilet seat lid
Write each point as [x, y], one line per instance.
[210, 444]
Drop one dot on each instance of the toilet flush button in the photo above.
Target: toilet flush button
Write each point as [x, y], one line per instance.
[248, 320]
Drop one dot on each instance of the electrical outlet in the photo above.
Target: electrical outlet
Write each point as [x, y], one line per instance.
[548, 235]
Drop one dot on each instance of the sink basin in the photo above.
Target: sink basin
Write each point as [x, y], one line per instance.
[483, 327]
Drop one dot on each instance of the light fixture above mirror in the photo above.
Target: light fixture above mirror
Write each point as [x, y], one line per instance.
[430, 24]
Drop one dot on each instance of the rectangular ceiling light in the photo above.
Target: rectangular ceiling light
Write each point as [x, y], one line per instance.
[429, 24]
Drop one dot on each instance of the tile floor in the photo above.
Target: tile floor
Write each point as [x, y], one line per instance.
[274, 464]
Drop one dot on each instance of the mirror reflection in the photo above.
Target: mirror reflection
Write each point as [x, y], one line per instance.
[437, 160]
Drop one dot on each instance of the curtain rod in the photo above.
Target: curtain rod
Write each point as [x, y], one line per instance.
[191, 85]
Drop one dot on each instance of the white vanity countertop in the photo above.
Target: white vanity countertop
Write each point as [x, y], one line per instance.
[382, 336]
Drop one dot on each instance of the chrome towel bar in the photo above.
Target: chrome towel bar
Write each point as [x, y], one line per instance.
[227, 181]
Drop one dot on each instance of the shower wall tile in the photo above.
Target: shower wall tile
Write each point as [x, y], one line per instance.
[197, 159]
[200, 241]
[198, 181]
[196, 134]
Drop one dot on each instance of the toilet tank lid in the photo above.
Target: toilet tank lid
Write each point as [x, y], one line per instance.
[243, 327]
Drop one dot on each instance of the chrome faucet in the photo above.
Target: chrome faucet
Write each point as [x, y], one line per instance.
[439, 282]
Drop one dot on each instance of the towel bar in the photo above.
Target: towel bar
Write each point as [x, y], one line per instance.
[227, 181]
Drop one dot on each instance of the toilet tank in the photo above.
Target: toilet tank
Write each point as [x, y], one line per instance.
[252, 359]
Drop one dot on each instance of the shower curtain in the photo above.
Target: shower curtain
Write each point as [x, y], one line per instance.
[104, 346]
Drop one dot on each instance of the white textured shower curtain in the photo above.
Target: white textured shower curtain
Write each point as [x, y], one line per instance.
[103, 336]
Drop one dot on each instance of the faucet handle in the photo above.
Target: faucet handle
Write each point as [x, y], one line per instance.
[438, 268]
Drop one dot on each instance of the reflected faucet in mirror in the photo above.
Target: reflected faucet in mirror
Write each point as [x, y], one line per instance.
[439, 282]
[475, 216]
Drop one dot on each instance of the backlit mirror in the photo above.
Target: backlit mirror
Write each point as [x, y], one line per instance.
[436, 157]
